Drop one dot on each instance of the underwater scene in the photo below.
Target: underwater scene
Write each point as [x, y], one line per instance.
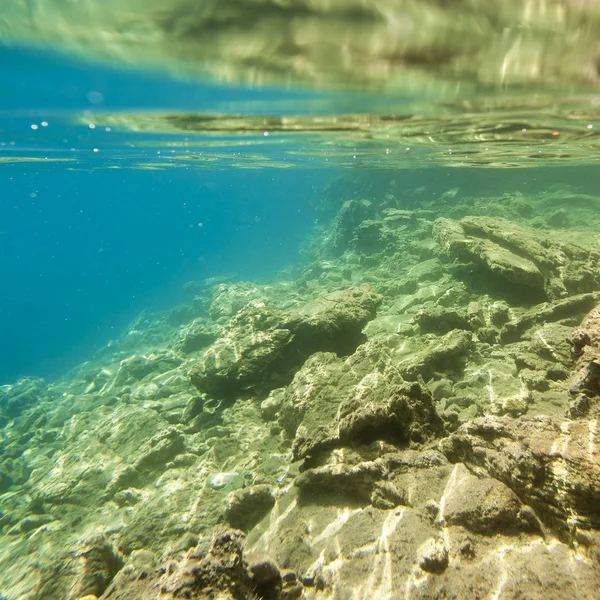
[300, 300]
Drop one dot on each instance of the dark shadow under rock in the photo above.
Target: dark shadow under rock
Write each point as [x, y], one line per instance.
[246, 507]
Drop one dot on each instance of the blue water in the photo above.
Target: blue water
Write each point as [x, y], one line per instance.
[82, 252]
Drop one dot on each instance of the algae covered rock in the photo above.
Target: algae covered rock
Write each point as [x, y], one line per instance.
[585, 379]
[433, 354]
[219, 571]
[483, 505]
[536, 264]
[246, 507]
[349, 217]
[14, 399]
[196, 336]
[546, 461]
[333, 402]
[261, 348]
[137, 367]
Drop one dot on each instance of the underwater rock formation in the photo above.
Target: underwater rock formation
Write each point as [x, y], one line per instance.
[391, 424]
[536, 264]
[261, 348]
[217, 572]
[585, 380]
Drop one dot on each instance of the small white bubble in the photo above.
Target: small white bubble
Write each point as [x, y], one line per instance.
[201, 224]
[91, 126]
[95, 150]
[34, 126]
[590, 126]
[266, 133]
[44, 123]
[107, 129]
[406, 149]
[524, 130]
[32, 195]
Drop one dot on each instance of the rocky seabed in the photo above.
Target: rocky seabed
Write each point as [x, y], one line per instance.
[411, 413]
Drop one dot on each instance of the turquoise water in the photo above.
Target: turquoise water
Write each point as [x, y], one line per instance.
[89, 240]
[299, 300]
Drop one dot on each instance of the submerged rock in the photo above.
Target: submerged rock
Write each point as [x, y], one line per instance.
[534, 263]
[219, 572]
[482, 505]
[333, 402]
[27, 392]
[585, 379]
[261, 348]
[349, 217]
[550, 463]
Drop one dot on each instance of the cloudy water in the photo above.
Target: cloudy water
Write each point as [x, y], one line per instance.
[311, 289]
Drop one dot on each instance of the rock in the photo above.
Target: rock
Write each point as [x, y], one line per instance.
[431, 354]
[573, 307]
[137, 367]
[246, 507]
[196, 336]
[403, 414]
[271, 405]
[494, 386]
[433, 556]
[371, 237]
[265, 574]
[440, 389]
[550, 463]
[26, 393]
[585, 379]
[331, 403]
[440, 320]
[218, 572]
[481, 505]
[30, 523]
[349, 217]
[92, 569]
[535, 263]
[341, 483]
[229, 299]
[292, 588]
[261, 348]
[5, 480]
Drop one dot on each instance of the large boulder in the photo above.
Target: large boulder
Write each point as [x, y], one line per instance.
[333, 402]
[550, 463]
[348, 218]
[261, 348]
[538, 265]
